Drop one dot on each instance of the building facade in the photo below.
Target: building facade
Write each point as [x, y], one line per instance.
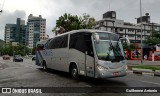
[36, 30]
[10, 33]
[15, 32]
[29, 34]
[127, 29]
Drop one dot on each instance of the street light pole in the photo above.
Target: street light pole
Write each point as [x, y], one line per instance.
[141, 32]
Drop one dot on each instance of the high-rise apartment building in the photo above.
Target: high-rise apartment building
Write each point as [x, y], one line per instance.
[29, 34]
[15, 32]
[10, 33]
[36, 30]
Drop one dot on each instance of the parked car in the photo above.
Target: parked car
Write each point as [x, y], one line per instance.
[33, 58]
[6, 57]
[17, 58]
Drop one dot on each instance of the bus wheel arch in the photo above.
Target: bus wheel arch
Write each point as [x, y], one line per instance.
[44, 65]
[73, 70]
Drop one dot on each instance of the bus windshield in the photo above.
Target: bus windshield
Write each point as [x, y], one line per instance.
[109, 48]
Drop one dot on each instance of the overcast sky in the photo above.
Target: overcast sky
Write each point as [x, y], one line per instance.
[127, 10]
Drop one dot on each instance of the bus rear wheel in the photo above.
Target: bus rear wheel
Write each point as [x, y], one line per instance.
[74, 72]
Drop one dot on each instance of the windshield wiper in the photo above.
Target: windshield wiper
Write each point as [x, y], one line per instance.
[111, 47]
[118, 51]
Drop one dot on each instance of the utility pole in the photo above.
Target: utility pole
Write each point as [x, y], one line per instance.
[141, 32]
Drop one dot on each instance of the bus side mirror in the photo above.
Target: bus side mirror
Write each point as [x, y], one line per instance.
[127, 40]
[96, 37]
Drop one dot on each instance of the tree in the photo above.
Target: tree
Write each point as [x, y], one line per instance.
[87, 22]
[153, 39]
[69, 22]
[20, 49]
[128, 48]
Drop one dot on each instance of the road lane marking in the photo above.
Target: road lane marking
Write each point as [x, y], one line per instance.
[146, 74]
[150, 82]
[2, 62]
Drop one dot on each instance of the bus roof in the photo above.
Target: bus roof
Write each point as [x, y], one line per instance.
[83, 30]
[42, 42]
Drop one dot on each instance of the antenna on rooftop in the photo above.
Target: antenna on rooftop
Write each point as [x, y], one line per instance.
[109, 4]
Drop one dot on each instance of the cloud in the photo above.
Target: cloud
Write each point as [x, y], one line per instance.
[127, 10]
[10, 18]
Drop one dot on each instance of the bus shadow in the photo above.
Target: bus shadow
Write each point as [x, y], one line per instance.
[91, 81]
[55, 72]
[102, 82]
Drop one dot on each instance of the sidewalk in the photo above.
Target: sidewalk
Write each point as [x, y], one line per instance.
[145, 62]
[132, 63]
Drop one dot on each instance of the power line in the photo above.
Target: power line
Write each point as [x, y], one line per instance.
[2, 6]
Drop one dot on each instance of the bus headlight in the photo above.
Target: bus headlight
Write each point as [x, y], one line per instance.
[102, 68]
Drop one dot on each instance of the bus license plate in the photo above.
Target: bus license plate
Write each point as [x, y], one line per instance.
[115, 73]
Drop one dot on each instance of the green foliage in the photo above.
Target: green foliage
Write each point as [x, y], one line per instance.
[19, 50]
[147, 67]
[1, 43]
[128, 48]
[87, 22]
[68, 22]
[153, 39]
[73, 22]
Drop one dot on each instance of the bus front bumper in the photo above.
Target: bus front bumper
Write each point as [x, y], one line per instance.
[107, 73]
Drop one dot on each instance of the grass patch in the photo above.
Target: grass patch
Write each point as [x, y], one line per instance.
[147, 67]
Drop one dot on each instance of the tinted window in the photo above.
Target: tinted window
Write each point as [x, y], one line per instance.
[108, 36]
[77, 42]
[58, 42]
[81, 42]
[104, 36]
[47, 43]
[113, 37]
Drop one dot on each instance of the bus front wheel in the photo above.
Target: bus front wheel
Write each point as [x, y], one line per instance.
[74, 72]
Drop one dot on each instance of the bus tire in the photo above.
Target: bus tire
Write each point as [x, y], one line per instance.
[74, 71]
[44, 66]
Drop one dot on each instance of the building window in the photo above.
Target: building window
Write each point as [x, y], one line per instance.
[121, 29]
[101, 23]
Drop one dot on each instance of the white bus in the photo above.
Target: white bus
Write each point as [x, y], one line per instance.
[93, 53]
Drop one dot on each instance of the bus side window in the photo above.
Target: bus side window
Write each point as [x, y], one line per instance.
[73, 40]
[63, 41]
[77, 42]
[58, 42]
[82, 42]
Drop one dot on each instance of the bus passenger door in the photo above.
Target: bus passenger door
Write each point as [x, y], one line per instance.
[89, 61]
[89, 56]
[82, 51]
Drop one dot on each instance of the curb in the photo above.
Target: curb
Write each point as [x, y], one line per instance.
[157, 73]
[146, 72]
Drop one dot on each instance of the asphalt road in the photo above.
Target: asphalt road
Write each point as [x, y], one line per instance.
[27, 74]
